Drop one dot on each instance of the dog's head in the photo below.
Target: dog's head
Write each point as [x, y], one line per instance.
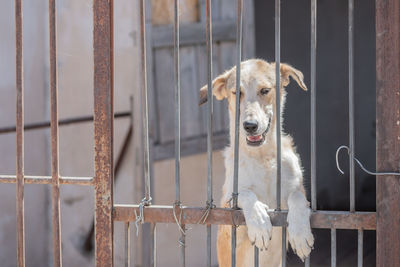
[257, 97]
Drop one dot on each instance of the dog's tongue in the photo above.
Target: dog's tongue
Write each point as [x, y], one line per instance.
[254, 138]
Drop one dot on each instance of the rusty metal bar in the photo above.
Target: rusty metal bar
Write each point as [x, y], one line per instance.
[313, 105]
[88, 243]
[209, 44]
[11, 179]
[191, 215]
[351, 105]
[103, 129]
[20, 134]
[55, 189]
[62, 122]
[127, 233]
[387, 130]
[333, 247]
[360, 247]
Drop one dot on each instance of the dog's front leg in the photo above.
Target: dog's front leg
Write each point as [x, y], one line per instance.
[300, 236]
[259, 227]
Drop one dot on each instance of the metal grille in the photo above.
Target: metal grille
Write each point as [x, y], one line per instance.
[106, 211]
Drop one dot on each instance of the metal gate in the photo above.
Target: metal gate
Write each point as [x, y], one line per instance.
[386, 220]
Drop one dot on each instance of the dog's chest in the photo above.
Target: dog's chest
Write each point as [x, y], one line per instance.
[259, 177]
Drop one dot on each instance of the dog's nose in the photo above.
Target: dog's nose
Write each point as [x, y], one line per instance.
[250, 126]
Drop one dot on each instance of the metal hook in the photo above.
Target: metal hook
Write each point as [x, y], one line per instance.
[359, 164]
[140, 217]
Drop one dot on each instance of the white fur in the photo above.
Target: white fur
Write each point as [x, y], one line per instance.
[257, 173]
[257, 194]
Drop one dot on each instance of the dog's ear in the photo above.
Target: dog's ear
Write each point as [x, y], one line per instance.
[288, 71]
[219, 89]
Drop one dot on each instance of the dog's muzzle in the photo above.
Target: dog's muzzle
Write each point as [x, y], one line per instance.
[258, 140]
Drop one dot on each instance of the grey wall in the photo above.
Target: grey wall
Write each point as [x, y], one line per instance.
[332, 106]
[75, 88]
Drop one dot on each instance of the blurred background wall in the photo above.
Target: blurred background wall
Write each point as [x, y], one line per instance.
[75, 62]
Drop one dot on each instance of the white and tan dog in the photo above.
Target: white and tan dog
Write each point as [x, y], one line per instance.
[257, 167]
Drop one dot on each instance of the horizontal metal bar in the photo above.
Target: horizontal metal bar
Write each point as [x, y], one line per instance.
[46, 124]
[193, 33]
[11, 179]
[192, 215]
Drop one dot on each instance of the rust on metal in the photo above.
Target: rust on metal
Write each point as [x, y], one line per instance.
[55, 188]
[103, 129]
[11, 179]
[20, 135]
[388, 131]
[88, 243]
[62, 122]
[192, 215]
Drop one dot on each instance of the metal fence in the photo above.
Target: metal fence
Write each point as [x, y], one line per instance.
[106, 212]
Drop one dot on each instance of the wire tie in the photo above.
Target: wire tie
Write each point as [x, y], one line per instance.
[140, 218]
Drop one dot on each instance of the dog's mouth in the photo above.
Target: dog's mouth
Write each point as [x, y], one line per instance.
[258, 140]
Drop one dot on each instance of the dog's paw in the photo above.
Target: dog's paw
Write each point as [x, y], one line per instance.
[259, 227]
[301, 239]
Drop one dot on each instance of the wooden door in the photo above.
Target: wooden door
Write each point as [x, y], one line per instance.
[193, 70]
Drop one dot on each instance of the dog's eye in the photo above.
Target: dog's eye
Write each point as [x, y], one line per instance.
[234, 92]
[264, 91]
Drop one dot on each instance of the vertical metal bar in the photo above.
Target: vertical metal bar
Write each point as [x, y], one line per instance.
[182, 243]
[333, 247]
[351, 104]
[387, 130]
[237, 107]
[239, 38]
[256, 257]
[278, 119]
[153, 246]
[177, 101]
[313, 104]
[145, 121]
[360, 247]
[209, 44]
[127, 245]
[145, 108]
[103, 129]
[20, 134]
[178, 122]
[56, 221]
[307, 262]
[278, 100]
[284, 246]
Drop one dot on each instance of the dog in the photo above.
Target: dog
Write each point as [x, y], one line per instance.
[258, 167]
